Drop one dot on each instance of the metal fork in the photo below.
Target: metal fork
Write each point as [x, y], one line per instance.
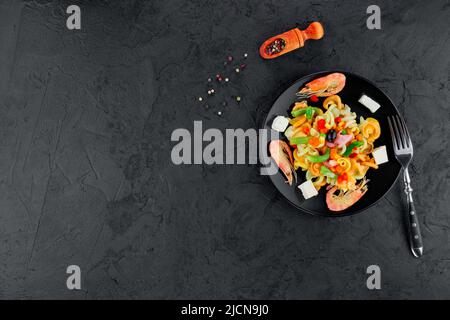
[403, 150]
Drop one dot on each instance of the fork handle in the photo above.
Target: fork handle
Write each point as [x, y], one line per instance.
[415, 238]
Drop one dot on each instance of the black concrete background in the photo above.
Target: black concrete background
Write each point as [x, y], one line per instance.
[86, 176]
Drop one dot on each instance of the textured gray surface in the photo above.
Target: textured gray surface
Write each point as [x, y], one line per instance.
[86, 176]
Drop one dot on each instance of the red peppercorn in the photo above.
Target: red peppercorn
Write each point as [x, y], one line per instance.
[314, 98]
[353, 155]
[338, 119]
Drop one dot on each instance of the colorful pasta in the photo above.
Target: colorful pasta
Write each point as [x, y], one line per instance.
[330, 145]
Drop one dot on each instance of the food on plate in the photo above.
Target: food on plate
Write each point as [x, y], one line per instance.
[380, 155]
[308, 189]
[282, 155]
[325, 86]
[330, 143]
[369, 103]
[345, 199]
[290, 40]
[370, 129]
[334, 99]
[280, 123]
[333, 148]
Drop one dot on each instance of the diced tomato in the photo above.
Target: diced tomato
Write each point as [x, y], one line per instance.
[343, 177]
[353, 155]
[314, 98]
[321, 124]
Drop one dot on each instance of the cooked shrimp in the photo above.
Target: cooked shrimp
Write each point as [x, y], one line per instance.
[324, 86]
[344, 200]
[282, 155]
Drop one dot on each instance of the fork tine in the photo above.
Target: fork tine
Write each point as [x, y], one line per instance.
[394, 140]
[398, 134]
[402, 132]
[407, 135]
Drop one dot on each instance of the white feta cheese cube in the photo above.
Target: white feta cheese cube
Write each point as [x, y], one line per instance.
[380, 155]
[369, 103]
[308, 189]
[280, 123]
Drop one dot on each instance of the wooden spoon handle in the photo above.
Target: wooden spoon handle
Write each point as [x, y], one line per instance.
[314, 31]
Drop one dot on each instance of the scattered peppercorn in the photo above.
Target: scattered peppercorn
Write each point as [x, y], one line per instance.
[314, 98]
[228, 61]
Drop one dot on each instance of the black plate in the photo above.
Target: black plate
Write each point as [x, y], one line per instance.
[381, 180]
